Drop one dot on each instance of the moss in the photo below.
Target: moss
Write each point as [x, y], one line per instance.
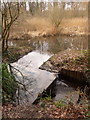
[60, 103]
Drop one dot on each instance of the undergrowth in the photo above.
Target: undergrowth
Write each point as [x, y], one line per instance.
[9, 86]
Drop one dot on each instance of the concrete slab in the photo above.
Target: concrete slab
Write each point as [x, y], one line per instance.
[35, 80]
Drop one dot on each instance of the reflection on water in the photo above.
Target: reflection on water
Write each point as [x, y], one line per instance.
[52, 45]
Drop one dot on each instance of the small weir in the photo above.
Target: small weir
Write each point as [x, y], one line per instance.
[36, 81]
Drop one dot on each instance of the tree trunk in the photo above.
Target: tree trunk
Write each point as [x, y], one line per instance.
[89, 34]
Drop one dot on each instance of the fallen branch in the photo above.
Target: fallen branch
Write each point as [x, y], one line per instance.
[10, 66]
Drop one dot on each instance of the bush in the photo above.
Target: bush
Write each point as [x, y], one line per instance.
[56, 16]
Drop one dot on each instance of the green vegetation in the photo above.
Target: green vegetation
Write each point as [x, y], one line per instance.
[45, 100]
[9, 85]
[10, 56]
[60, 103]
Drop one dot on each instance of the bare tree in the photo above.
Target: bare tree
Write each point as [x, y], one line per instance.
[57, 15]
[10, 13]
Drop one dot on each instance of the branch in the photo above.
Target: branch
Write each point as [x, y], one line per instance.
[9, 7]
[16, 69]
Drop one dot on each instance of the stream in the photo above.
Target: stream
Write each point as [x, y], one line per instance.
[37, 80]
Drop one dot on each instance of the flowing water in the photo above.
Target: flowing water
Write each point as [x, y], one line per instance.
[37, 80]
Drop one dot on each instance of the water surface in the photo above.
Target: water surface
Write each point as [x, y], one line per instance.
[53, 45]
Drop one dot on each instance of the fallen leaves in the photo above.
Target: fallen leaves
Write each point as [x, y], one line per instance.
[50, 110]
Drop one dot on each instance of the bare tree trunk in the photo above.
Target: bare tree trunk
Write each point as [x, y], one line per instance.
[63, 5]
[89, 44]
[89, 34]
[9, 16]
[55, 4]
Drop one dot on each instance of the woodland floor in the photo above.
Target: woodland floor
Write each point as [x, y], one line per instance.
[47, 109]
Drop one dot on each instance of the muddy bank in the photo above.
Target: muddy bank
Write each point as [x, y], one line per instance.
[43, 34]
[60, 60]
[68, 31]
[70, 64]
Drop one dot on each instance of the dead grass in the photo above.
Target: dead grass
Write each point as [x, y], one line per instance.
[74, 22]
[74, 25]
[43, 25]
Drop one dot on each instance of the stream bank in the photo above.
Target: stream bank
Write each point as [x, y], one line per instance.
[73, 67]
[70, 64]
